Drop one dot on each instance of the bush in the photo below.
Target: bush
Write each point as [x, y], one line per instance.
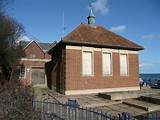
[16, 103]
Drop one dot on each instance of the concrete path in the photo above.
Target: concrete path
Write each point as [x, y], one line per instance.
[154, 98]
[129, 94]
[142, 105]
[92, 100]
[131, 106]
[119, 108]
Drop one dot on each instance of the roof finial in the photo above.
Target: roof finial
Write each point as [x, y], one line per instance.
[91, 17]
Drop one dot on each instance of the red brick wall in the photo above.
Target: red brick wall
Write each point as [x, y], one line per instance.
[47, 56]
[75, 81]
[57, 72]
[29, 65]
[34, 49]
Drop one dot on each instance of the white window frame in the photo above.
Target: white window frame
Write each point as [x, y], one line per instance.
[92, 64]
[111, 64]
[126, 62]
[22, 78]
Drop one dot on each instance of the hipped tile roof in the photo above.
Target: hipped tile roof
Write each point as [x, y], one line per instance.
[98, 36]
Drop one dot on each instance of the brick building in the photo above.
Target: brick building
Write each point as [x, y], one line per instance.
[32, 63]
[92, 59]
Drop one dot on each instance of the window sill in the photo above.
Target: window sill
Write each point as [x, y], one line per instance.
[83, 75]
[107, 75]
[124, 75]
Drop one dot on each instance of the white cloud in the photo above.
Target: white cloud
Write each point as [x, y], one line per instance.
[145, 65]
[100, 6]
[150, 37]
[117, 29]
[24, 38]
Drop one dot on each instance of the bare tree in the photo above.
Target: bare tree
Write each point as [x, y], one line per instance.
[10, 31]
[3, 3]
[15, 101]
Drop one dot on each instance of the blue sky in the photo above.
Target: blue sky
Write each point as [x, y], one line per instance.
[137, 20]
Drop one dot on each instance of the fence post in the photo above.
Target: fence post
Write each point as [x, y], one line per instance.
[89, 114]
[76, 113]
[86, 113]
[99, 114]
[110, 116]
[124, 117]
[68, 113]
[48, 107]
[119, 116]
[95, 112]
[54, 110]
[42, 110]
[51, 116]
[35, 105]
[94, 116]
[63, 111]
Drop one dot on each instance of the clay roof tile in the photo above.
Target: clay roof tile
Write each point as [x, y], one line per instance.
[86, 34]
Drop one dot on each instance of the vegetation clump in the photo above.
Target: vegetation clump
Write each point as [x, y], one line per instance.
[15, 100]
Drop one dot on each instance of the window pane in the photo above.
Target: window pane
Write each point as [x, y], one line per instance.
[123, 65]
[106, 63]
[22, 71]
[87, 63]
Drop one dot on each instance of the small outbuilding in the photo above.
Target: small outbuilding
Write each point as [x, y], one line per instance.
[92, 59]
[32, 63]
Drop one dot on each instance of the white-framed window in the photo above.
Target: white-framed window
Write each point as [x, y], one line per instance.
[22, 71]
[32, 56]
[87, 63]
[106, 64]
[123, 65]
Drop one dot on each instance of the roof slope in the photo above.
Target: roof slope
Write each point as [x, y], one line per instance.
[98, 36]
[43, 46]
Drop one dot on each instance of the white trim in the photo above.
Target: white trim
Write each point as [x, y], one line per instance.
[127, 57]
[25, 72]
[91, 91]
[28, 44]
[101, 49]
[109, 50]
[31, 43]
[123, 51]
[92, 60]
[128, 52]
[133, 52]
[111, 63]
[87, 49]
[38, 60]
[91, 49]
[97, 49]
[73, 47]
